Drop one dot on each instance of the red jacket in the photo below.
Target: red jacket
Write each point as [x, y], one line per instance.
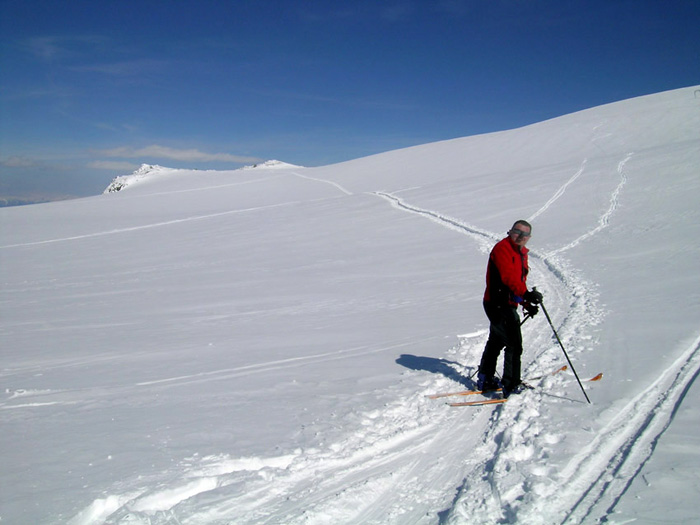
[506, 274]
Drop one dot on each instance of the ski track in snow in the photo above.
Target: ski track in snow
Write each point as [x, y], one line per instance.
[185, 219]
[334, 184]
[152, 225]
[228, 373]
[605, 218]
[618, 452]
[356, 480]
[77, 396]
[559, 192]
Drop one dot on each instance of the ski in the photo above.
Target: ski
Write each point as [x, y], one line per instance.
[498, 401]
[464, 393]
[595, 378]
[473, 392]
[560, 369]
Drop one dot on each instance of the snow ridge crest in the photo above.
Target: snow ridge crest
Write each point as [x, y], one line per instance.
[145, 171]
[148, 171]
[271, 164]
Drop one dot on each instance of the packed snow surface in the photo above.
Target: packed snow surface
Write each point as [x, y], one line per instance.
[256, 346]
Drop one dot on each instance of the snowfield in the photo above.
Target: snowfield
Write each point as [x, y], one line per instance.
[257, 346]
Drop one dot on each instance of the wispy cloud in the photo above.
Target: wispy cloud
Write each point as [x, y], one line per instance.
[18, 162]
[122, 69]
[45, 47]
[113, 165]
[165, 152]
[59, 47]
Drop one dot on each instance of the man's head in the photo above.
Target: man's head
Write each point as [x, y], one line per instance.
[520, 233]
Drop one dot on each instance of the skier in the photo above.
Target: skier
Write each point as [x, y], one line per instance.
[506, 289]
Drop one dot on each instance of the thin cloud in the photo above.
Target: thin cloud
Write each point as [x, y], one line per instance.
[113, 165]
[45, 47]
[59, 47]
[22, 93]
[122, 69]
[18, 162]
[164, 152]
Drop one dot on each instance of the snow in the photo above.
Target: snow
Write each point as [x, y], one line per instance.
[256, 345]
[271, 164]
[149, 173]
[146, 172]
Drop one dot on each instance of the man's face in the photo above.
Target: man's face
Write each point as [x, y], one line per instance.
[520, 234]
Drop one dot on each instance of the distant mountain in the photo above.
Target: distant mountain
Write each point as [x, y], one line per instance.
[271, 164]
[145, 171]
[151, 171]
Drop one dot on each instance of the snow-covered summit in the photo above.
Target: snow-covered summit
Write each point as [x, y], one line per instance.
[271, 164]
[144, 172]
[150, 172]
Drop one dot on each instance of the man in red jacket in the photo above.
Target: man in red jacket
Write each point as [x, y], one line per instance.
[506, 289]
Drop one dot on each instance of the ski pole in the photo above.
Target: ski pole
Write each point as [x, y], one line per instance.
[565, 354]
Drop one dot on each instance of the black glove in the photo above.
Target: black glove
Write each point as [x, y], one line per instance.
[531, 309]
[532, 296]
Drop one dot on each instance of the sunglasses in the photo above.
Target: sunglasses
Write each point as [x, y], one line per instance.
[519, 233]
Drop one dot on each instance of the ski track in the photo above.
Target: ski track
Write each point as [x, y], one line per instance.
[609, 464]
[559, 192]
[185, 219]
[153, 225]
[605, 218]
[90, 394]
[355, 480]
[334, 184]
[293, 361]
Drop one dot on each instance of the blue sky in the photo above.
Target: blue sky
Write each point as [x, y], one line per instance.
[90, 90]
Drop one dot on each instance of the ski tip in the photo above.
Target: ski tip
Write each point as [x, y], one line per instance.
[597, 378]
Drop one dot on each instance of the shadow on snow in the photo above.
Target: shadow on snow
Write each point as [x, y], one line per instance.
[436, 366]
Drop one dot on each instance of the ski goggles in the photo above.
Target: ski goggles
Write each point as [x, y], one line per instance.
[519, 233]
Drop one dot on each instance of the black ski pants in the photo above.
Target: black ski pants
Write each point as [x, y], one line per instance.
[504, 332]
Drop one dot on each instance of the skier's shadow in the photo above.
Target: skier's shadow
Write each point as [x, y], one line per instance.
[435, 366]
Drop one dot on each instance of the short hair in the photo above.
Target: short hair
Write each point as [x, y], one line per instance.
[524, 223]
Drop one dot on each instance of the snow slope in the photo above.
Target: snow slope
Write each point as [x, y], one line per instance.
[256, 346]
